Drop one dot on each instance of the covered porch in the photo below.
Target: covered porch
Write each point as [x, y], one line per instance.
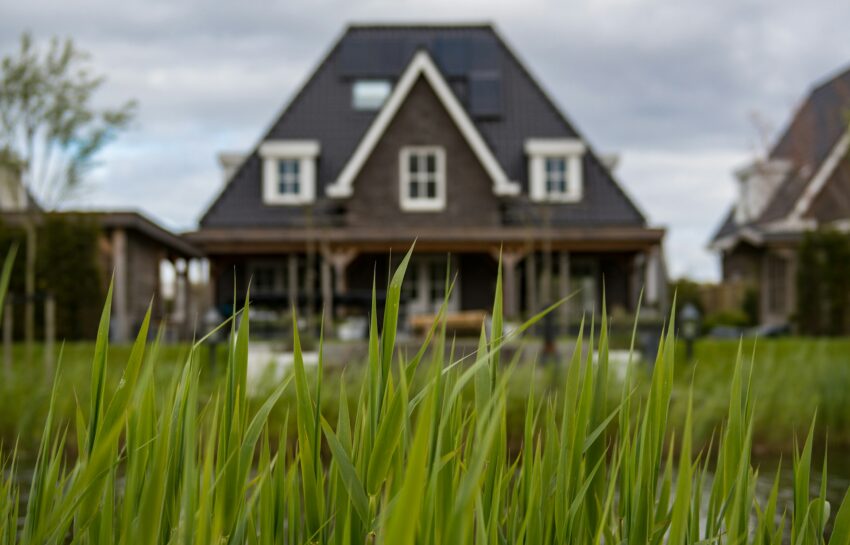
[330, 272]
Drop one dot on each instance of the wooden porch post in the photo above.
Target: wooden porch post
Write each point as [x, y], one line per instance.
[338, 260]
[120, 311]
[564, 286]
[531, 283]
[636, 280]
[510, 289]
[49, 334]
[181, 297]
[292, 277]
[546, 280]
[327, 296]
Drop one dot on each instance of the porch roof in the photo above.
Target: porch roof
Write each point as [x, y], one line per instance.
[256, 240]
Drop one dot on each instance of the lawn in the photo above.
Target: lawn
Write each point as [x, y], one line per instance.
[792, 378]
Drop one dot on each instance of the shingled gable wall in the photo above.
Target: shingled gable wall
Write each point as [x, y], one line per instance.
[423, 121]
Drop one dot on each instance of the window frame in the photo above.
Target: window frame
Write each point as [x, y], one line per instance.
[273, 153]
[362, 84]
[540, 152]
[422, 204]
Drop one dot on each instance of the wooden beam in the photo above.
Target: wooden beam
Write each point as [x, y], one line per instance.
[120, 307]
[292, 280]
[564, 287]
[510, 287]
[327, 296]
[531, 283]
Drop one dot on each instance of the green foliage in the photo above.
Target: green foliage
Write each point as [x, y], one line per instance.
[67, 267]
[735, 318]
[48, 122]
[415, 461]
[823, 283]
[687, 292]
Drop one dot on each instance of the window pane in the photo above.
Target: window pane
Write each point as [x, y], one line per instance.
[414, 163]
[296, 188]
[556, 166]
[431, 160]
[414, 189]
[369, 94]
[286, 166]
[432, 189]
[295, 165]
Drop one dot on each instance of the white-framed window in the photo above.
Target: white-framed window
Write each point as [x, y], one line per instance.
[289, 171]
[289, 177]
[555, 169]
[422, 178]
[557, 178]
[369, 94]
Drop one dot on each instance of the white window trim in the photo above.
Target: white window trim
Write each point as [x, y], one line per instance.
[305, 151]
[424, 66]
[418, 204]
[572, 151]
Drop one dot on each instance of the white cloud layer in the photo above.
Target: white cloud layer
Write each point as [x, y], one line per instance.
[670, 84]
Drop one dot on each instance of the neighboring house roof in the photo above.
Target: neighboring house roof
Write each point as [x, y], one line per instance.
[505, 104]
[122, 219]
[815, 141]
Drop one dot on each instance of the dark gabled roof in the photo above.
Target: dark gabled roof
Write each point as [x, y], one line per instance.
[813, 132]
[818, 123]
[727, 226]
[504, 101]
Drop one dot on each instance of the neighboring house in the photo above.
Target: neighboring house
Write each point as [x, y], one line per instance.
[803, 184]
[131, 251]
[437, 134]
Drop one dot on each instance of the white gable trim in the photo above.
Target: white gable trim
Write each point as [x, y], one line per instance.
[421, 65]
[821, 177]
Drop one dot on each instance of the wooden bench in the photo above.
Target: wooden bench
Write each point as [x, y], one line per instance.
[467, 322]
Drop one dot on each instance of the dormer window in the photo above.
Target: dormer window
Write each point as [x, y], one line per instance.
[369, 94]
[555, 169]
[422, 178]
[289, 171]
[557, 179]
[288, 177]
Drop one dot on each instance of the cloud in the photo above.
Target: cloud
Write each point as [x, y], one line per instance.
[671, 84]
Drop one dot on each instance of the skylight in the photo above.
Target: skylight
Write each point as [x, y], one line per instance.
[369, 94]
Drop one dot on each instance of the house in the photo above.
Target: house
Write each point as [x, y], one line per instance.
[436, 134]
[802, 184]
[130, 251]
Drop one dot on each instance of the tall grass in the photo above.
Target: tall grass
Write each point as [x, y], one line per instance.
[410, 457]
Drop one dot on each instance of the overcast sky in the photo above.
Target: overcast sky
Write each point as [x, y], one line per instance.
[681, 89]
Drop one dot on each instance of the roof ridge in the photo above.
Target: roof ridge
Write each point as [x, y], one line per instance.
[388, 25]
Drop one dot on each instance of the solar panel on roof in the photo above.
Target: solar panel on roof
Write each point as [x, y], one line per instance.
[453, 55]
[485, 55]
[485, 94]
[374, 57]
